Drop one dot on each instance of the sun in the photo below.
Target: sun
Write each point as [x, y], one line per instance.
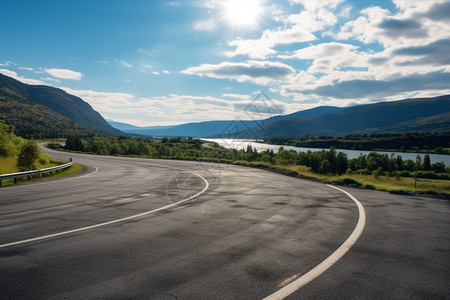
[242, 13]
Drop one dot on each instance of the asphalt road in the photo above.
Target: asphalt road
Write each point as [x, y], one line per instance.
[247, 234]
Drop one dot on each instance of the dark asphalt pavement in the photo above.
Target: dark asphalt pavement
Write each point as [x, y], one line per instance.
[246, 236]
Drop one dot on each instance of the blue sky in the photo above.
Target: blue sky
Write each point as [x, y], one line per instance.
[170, 62]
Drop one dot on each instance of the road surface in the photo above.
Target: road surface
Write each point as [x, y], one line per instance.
[247, 234]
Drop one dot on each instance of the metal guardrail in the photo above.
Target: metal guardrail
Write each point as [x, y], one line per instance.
[33, 172]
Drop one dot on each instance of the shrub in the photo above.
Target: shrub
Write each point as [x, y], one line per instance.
[28, 156]
[378, 172]
[369, 187]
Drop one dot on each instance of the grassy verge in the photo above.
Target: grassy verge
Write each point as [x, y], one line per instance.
[8, 165]
[382, 183]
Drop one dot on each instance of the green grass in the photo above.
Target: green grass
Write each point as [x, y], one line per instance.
[382, 183]
[8, 165]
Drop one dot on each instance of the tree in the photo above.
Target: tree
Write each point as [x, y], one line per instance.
[325, 167]
[331, 157]
[9, 142]
[341, 163]
[28, 156]
[426, 162]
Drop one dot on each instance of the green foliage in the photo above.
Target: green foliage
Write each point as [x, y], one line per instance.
[321, 162]
[426, 162]
[28, 156]
[378, 172]
[325, 167]
[9, 143]
[341, 163]
[74, 143]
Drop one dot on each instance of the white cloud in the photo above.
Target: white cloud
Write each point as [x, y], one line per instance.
[260, 72]
[6, 64]
[236, 96]
[263, 47]
[14, 75]
[178, 109]
[155, 73]
[26, 69]
[64, 74]
[51, 79]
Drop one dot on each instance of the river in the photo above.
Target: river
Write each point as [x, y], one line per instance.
[241, 144]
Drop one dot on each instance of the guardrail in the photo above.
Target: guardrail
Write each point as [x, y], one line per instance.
[33, 172]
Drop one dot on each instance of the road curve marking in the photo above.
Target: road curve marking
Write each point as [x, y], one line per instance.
[110, 222]
[330, 260]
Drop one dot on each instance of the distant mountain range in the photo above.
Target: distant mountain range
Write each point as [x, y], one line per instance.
[38, 111]
[410, 115]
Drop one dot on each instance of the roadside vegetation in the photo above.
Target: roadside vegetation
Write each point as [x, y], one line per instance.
[372, 171]
[18, 155]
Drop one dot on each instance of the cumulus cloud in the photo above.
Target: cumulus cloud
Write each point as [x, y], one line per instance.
[395, 28]
[177, 109]
[381, 88]
[439, 12]
[261, 72]
[64, 74]
[263, 47]
[436, 53]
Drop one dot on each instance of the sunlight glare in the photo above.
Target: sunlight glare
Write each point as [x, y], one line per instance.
[242, 13]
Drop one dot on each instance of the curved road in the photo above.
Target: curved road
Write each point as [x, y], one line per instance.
[247, 234]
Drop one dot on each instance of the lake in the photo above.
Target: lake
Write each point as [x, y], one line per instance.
[241, 144]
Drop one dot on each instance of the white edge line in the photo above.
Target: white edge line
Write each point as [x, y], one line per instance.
[330, 260]
[110, 222]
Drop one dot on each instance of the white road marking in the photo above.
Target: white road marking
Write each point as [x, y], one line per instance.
[110, 222]
[330, 260]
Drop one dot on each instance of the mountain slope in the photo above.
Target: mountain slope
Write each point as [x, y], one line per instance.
[230, 128]
[71, 111]
[201, 129]
[393, 116]
[34, 120]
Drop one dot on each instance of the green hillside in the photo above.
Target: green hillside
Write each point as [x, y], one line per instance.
[411, 115]
[46, 112]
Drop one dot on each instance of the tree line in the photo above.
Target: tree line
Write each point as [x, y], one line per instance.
[322, 162]
[437, 142]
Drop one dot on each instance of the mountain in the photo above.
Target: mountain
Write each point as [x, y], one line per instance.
[214, 128]
[44, 111]
[423, 114]
[123, 126]
[200, 129]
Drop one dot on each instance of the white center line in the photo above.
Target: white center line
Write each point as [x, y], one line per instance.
[39, 238]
